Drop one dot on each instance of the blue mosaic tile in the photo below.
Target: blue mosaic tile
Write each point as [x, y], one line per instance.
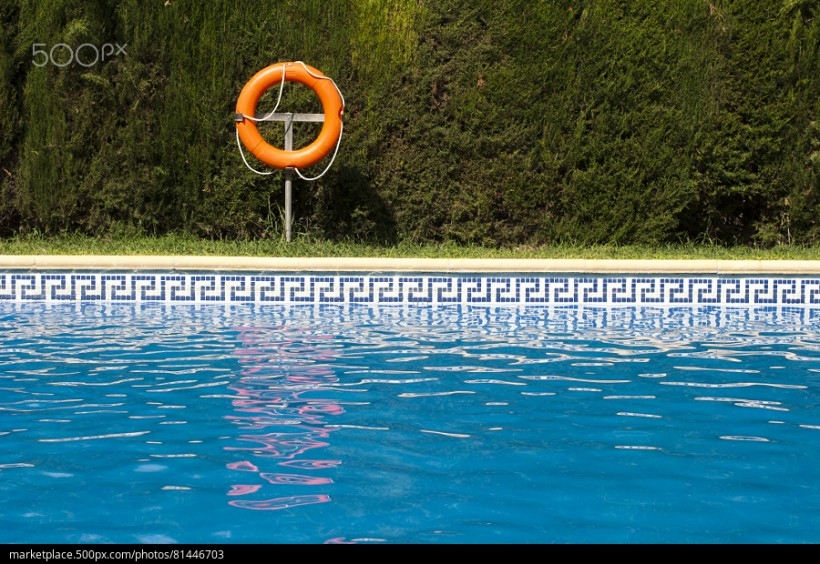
[512, 290]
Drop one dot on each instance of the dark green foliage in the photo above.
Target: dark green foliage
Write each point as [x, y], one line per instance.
[9, 116]
[753, 153]
[472, 121]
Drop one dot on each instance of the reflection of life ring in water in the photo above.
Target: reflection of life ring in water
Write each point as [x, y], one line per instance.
[276, 423]
[332, 104]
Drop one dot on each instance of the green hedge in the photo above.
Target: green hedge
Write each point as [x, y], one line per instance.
[498, 123]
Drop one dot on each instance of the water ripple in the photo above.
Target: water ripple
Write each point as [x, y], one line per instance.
[453, 435]
[95, 437]
[569, 379]
[433, 394]
[734, 385]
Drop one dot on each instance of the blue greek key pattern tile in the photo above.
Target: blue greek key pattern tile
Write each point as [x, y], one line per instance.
[318, 288]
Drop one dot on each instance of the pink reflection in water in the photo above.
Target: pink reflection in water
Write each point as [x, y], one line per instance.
[295, 479]
[279, 502]
[283, 445]
[262, 422]
[311, 464]
[242, 489]
[243, 465]
[281, 378]
[329, 409]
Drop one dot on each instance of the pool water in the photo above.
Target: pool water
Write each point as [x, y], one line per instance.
[158, 423]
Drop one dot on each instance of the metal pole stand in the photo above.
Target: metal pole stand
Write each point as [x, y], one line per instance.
[288, 120]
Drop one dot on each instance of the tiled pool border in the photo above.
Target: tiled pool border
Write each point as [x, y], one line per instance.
[495, 282]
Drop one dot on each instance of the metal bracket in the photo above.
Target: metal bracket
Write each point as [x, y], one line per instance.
[287, 119]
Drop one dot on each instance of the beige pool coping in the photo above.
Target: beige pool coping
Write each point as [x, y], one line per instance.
[420, 265]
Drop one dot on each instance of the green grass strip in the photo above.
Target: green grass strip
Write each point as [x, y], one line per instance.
[181, 245]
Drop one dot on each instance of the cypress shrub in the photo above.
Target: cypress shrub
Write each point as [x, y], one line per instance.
[472, 121]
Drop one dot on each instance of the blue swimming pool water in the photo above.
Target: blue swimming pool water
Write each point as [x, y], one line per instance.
[157, 423]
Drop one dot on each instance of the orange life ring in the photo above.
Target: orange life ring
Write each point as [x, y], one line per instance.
[332, 104]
